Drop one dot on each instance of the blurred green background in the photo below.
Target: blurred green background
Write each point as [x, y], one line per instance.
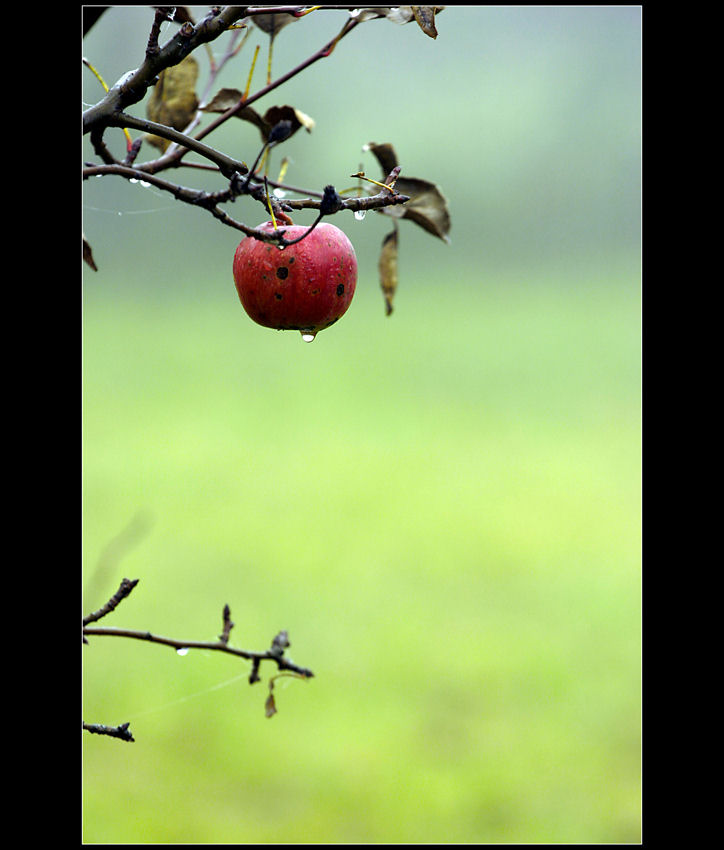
[442, 507]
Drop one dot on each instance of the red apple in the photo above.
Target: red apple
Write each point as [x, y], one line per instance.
[304, 287]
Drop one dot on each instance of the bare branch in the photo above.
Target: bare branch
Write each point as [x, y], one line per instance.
[226, 164]
[123, 591]
[274, 654]
[121, 731]
[210, 200]
[228, 625]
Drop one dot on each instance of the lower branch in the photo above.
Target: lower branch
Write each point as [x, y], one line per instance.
[112, 731]
[210, 200]
[226, 164]
[275, 653]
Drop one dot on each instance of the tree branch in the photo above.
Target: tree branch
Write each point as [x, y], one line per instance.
[131, 88]
[225, 164]
[275, 653]
[211, 200]
[123, 591]
[323, 52]
[121, 731]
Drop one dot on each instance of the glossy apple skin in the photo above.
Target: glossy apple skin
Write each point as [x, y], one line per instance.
[304, 287]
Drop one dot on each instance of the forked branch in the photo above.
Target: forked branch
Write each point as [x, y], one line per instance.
[275, 653]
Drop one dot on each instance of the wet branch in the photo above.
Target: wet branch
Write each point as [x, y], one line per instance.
[132, 87]
[275, 653]
[211, 200]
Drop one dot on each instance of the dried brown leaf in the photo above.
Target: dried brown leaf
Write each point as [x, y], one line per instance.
[223, 99]
[388, 269]
[275, 114]
[270, 708]
[271, 24]
[88, 254]
[427, 206]
[384, 154]
[226, 98]
[173, 101]
[425, 17]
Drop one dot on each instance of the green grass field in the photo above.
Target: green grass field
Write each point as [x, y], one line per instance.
[443, 509]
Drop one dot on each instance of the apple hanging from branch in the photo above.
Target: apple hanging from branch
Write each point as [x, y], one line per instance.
[305, 287]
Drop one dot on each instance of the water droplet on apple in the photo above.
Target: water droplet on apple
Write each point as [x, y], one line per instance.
[308, 336]
[360, 214]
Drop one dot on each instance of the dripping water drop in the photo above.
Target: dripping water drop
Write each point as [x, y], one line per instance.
[183, 651]
[360, 214]
[308, 336]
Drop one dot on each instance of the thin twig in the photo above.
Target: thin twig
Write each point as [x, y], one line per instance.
[123, 591]
[218, 646]
[322, 53]
[121, 731]
[226, 164]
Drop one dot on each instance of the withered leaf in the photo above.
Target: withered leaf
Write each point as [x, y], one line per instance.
[427, 206]
[388, 268]
[88, 254]
[223, 99]
[275, 114]
[271, 24]
[226, 98]
[384, 154]
[173, 101]
[425, 17]
[270, 708]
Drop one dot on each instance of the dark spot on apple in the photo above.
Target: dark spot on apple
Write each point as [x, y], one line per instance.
[291, 260]
[340, 289]
[282, 272]
[278, 296]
